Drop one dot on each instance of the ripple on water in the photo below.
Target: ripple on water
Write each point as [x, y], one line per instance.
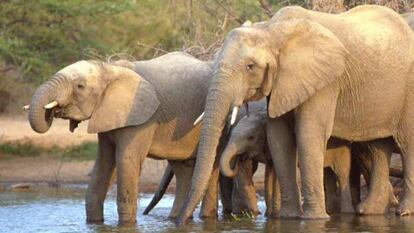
[62, 210]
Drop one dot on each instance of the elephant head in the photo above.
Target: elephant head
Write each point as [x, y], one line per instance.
[109, 96]
[288, 61]
[248, 137]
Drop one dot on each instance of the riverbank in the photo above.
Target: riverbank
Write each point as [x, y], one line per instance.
[59, 157]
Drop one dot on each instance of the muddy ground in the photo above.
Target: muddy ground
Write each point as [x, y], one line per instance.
[52, 171]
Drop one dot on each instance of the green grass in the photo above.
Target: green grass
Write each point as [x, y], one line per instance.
[85, 151]
[21, 149]
[82, 152]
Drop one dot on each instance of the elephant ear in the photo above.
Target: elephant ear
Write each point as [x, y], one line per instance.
[127, 101]
[310, 58]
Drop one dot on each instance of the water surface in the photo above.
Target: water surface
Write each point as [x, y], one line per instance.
[62, 210]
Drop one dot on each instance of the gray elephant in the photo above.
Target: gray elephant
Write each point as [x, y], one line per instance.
[138, 109]
[226, 186]
[347, 76]
[248, 138]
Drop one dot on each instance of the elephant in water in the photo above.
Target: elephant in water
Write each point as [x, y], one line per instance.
[248, 139]
[138, 109]
[347, 76]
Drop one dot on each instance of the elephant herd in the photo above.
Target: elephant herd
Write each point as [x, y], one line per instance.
[312, 95]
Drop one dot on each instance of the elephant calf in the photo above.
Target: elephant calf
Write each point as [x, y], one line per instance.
[248, 140]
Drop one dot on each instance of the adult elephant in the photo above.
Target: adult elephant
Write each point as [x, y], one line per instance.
[347, 75]
[138, 109]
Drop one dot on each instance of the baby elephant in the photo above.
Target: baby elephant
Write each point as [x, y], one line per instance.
[248, 141]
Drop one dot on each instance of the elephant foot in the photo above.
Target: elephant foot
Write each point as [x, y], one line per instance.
[289, 209]
[372, 206]
[173, 215]
[289, 213]
[347, 210]
[314, 214]
[405, 208]
[94, 220]
[211, 215]
[127, 220]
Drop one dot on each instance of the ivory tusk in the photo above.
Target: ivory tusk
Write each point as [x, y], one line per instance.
[26, 107]
[51, 105]
[233, 115]
[199, 119]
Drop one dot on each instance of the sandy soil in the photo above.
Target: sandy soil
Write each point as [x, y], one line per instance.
[52, 170]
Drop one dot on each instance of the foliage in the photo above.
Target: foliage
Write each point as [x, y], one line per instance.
[37, 38]
[85, 151]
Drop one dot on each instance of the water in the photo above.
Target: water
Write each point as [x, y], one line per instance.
[62, 210]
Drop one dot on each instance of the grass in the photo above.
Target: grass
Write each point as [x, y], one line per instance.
[83, 152]
[246, 215]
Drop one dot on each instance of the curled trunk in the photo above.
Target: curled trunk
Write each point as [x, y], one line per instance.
[227, 161]
[40, 118]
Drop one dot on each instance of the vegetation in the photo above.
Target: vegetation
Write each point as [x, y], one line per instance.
[82, 152]
[37, 38]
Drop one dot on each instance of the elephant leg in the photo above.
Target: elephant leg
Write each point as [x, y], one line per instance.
[405, 138]
[209, 205]
[275, 192]
[330, 184]
[132, 147]
[378, 198]
[268, 194]
[281, 143]
[245, 186]
[183, 171]
[100, 180]
[313, 126]
[341, 166]
[226, 189]
[355, 181]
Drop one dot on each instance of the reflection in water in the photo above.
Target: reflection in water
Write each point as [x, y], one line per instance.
[62, 210]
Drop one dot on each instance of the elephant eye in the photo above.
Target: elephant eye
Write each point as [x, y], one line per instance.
[249, 67]
[80, 86]
[250, 138]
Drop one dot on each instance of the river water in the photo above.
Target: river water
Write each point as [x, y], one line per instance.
[62, 210]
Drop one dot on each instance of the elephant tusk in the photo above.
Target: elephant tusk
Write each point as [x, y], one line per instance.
[199, 119]
[51, 105]
[26, 107]
[233, 115]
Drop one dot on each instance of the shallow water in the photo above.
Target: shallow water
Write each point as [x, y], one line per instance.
[62, 210]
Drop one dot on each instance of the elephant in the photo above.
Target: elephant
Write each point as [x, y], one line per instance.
[347, 76]
[138, 109]
[169, 172]
[248, 138]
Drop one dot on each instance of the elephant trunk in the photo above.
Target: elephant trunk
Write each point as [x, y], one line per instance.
[228, 160]
[41, 118]
[218, 104]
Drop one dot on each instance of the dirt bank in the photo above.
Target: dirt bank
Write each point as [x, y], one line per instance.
[52, 170]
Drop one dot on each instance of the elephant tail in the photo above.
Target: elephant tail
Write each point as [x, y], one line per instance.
[165, 181]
